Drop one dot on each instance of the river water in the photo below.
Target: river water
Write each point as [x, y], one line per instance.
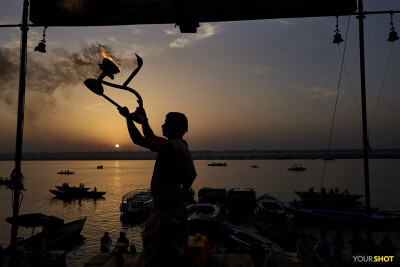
[121, 176]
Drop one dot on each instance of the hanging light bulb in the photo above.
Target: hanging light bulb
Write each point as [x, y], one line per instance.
[337, 38]
[392, 34]
[41, 47]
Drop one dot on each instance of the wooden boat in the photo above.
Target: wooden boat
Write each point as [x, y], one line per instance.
[323, 194]
[217, 164]
[248, 238]
[136, 204]
[212, 195]
[297, 167]
[315, 216]
[333, 200]
[335, 207]
[271, 209]
[241, 201]
[65, 172]
[77, 193]
[55, 233]
[65, 186]
[281, 234]
[202, 211]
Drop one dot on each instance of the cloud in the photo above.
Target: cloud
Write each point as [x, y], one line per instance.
[143, 50]
[173, 31]
[206, 30]
[285, 22]
[317, 92]
[261, 70]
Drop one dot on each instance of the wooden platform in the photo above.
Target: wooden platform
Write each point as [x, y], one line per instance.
[132, 260]
[52, 258]
[98, 260]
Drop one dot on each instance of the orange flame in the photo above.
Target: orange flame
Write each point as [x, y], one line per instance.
[105, 55]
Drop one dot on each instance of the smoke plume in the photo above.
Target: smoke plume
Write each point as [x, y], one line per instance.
[50, 72]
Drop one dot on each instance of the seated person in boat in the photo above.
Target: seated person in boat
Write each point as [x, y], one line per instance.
[165, 235]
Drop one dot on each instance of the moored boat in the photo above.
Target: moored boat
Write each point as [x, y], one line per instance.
[332, 200]
[241, 201]
[297, 167]
[249, 238]
[202, 211]
[55, 232]
[65, 172]
[335, 207]
[345, 217]
[271, 209]
[217, 164]
[136, 204]
[213, 195]
[281, 234]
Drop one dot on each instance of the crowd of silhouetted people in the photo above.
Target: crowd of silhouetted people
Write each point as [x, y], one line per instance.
[121, 247]
[330, 253]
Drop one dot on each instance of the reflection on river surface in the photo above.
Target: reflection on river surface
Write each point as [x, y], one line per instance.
[121, 176]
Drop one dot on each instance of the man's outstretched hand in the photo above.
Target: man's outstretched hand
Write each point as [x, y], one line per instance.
[142, 113]
[139, 116]
[124, 111]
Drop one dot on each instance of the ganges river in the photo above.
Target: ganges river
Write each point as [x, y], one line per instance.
[121, 176]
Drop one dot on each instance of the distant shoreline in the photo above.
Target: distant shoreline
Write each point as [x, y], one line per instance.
[211, 155]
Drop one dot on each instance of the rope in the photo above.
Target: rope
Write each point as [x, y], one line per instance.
[380, 92]
[336, 102]
[351, 87]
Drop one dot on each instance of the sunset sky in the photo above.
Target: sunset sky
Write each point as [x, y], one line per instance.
[266, 84]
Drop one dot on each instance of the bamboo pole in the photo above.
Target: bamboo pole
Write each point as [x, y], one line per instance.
[361, 17]
[17, 174]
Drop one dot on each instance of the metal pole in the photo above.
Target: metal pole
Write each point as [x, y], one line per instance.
[364, 125]
[17, 175]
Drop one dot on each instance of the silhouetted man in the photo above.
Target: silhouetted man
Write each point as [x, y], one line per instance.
[165, 235]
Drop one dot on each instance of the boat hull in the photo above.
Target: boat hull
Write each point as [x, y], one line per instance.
[136, 206]
[271, 209]
[77, 194]
[241, 202]
[311, 216]
[202, 211]
[56, 237]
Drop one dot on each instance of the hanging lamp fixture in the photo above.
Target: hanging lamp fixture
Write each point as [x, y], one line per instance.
[41, 47]
[337, 38]
[392, 34]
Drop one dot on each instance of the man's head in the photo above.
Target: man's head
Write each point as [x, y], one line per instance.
[175, 126]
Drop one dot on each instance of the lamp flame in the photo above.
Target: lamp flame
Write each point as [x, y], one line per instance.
[105, 55]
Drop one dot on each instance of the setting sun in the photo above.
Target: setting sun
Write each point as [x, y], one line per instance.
[117, 146]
